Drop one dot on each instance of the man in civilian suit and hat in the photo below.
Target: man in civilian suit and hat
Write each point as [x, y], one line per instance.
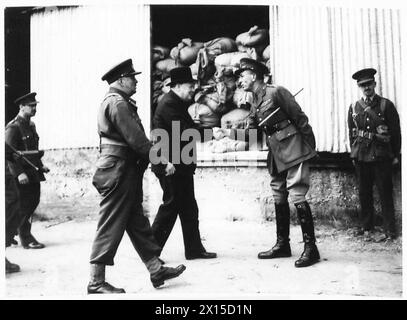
[291, 144]
[124, 156]
[178, 189]
[375, 140]
[22, 136]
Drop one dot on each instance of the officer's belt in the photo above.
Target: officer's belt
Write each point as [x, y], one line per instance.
[364, 134]
[115, 150]
[105, 140]
[269, 130]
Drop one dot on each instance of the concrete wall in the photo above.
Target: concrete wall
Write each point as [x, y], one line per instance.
[231, 193]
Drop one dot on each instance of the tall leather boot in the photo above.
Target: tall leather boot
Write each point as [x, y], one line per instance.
[282, 247]
[310, 254]
[97, 283]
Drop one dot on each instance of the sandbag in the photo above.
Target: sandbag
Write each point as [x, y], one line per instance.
[207, 55]
[227, 145]
[166, 65]
[253, 37]
[235, 119]
[219, 46]
[242, 99]
[218, 95]
[266, 53]
[186, 51]
[159, 53]
[231, 59]
[203, 115]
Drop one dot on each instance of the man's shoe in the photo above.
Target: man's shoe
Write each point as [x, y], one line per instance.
[201, 255]
[103, 288]
[280, 250]
[309, 256]
[14, 241]
[11, 267]
[166, 273]
[161, 261]
[33, 245]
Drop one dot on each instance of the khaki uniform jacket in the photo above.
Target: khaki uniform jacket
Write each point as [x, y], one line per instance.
[365, 144]
[289, 136]
[119, 121]
[22, 135]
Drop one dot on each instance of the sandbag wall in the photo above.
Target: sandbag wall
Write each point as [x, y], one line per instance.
[218, 101]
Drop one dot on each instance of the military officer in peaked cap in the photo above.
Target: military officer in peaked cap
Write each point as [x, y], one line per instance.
[291, 144]
[124, 156]
[22, 136]
[375, 140]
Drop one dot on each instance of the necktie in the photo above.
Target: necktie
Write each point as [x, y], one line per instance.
[368, 101]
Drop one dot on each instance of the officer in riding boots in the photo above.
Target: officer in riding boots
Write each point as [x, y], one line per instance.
[291, 144]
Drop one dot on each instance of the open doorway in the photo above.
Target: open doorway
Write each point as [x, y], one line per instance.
[198, 28]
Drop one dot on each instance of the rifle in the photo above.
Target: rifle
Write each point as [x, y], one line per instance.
[22, 154]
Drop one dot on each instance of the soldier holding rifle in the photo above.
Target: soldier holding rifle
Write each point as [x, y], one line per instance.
[21, 135]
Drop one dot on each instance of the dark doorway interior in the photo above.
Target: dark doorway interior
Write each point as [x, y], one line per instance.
[17, 57]
[201, 23]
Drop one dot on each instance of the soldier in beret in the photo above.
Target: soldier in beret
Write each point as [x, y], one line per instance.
[375, 140]
[22, 136]
[291, 144]
[124, 156]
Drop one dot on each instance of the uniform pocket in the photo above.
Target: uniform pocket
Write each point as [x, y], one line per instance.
[109, 170]
[290, 145]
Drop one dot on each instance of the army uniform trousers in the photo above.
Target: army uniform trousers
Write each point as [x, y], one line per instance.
[379, 172]
[120, 186]
[294, 181]
[178, 199]
[13, 212]
[29, 199]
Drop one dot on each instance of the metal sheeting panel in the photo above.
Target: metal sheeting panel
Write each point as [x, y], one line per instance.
[319, 48]
[70, 50]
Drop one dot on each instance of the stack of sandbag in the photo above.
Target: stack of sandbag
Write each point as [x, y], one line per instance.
[218, 100]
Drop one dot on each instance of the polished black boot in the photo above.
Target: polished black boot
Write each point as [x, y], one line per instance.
[282, 248]
[310, 254]
[165, 273]
[97, 284]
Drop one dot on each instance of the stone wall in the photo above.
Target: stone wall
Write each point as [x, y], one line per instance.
[235, 193]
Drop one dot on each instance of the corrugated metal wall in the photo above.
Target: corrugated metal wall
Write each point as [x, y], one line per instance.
[319, 48]
[316, 48]
[70, 50]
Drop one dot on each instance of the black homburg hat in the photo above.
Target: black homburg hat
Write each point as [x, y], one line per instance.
[181, 75]
[123, 69]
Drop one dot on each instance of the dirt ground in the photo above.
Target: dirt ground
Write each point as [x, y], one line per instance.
[350, 267]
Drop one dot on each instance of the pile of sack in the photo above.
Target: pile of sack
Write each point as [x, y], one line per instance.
[218, 101]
